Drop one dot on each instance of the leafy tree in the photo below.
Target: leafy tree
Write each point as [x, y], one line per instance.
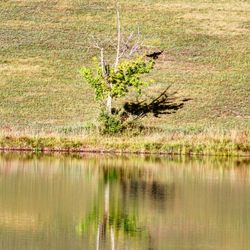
[111, 81]
[126, 74]
[114, 83]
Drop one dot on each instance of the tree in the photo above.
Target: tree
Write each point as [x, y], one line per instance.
[111, 81]
[126, 74]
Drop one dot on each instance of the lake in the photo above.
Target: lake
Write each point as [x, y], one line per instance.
[123, 202]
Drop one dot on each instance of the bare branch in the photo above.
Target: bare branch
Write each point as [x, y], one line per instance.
[102, 62]
[118, 36]
[131, 45]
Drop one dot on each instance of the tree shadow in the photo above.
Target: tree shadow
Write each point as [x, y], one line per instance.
[165, 103]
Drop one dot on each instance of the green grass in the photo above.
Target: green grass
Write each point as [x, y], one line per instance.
[44, 43]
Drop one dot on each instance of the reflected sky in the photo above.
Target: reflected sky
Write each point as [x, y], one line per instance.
[123, 202]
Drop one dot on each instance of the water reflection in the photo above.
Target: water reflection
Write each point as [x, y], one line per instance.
[115, 218]
[108, 202]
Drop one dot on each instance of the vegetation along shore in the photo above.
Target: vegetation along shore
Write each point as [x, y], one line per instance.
[179, 143]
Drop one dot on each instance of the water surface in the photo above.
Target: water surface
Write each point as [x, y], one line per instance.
[130, 202]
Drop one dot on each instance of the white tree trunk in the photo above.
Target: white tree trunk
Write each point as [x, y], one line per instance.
[109, 104]
[118, 36]
[109, 99]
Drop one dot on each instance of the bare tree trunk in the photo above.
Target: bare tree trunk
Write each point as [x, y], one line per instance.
[109, 104]
[103, 66]
[110, 98]
[118, 36]
[103, 63]
[105, 76]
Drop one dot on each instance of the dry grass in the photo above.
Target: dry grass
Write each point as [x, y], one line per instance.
[219, 143]
[44, 43]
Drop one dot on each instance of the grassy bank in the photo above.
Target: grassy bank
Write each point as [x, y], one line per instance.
[44, 103]
[221, 144]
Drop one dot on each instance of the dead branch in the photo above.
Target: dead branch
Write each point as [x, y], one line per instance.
[118, 36]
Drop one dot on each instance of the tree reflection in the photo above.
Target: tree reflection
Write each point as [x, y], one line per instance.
[117, 216]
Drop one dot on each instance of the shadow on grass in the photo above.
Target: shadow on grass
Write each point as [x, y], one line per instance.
[165, 103]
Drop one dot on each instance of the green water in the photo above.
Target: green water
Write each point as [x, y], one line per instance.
[107, 202]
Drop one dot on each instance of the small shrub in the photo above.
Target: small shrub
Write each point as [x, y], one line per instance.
[110, 124]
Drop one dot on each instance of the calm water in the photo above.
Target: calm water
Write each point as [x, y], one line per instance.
[106, 202]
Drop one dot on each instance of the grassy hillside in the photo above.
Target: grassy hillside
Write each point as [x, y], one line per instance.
[44, 43]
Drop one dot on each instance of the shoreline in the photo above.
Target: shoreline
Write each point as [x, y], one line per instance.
[115, 152]
[116, 145]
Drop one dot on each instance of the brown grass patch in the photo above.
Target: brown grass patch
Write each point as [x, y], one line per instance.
[27, 67]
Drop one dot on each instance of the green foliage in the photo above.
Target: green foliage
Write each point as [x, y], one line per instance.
[129, 74]
[117, 82]
[96, 81]
[109, 123]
